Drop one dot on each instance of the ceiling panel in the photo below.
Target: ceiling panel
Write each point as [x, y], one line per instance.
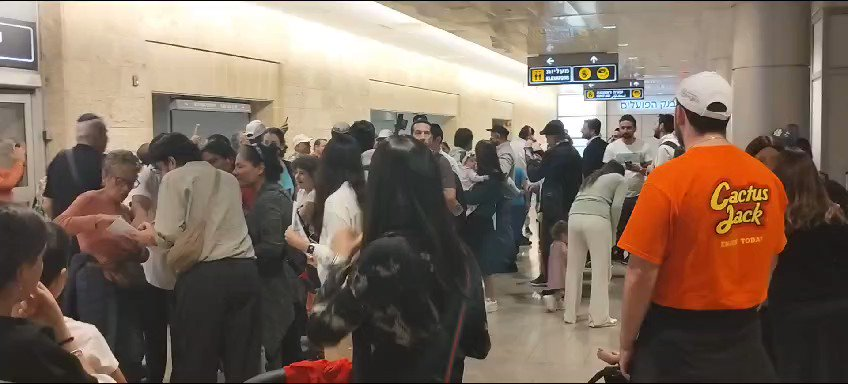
[653, 38]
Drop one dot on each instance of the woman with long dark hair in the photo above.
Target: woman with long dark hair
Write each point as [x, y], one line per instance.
[808, 294]
[488, 196]
[406, 294]
[594, 215]
[339, 198]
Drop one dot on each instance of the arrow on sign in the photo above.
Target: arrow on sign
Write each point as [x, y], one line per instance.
[593, 59]
[550, 61]
[591, 85]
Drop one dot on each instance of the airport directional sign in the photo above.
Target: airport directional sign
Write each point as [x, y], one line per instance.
[573, 68]
[625, 89]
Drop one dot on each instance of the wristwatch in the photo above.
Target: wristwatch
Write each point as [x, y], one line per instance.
[310, 250]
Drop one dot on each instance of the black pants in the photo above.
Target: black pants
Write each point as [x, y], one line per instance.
[154, 321]
[626, 211]
[292, 351]
[700, 346]
[217, 320]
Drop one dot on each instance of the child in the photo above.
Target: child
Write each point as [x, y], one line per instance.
[556, 267]
[469, 175]
[95, 351]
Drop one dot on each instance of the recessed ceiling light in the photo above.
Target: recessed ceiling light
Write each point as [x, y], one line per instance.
[632, 57]
[640, 67]
[609, 27]
[623, 44]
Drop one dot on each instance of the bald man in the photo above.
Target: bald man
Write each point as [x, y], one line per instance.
[78, 169]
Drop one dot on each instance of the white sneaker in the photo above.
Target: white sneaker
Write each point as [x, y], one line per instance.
[491, 306]
[610, 323]
[550, 303]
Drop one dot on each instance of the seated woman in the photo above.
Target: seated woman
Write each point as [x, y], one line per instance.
[37, 345]
[413, 284]
[105, 286]
[808, 294]
[95, 351]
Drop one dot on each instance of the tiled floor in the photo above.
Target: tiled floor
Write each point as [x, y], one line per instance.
[529, 345]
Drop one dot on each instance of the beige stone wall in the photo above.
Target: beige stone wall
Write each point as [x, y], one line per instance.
[312, 74]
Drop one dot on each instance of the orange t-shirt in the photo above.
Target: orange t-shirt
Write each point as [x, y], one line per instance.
[713, 220]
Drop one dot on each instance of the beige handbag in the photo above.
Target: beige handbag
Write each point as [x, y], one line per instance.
[188, 247]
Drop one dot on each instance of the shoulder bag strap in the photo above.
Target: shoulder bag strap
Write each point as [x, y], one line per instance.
[458, 331]
[69, 155]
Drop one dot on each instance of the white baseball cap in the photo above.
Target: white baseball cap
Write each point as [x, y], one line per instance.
[254, 129]
[698, 91]
[385, 134]
[300, 139]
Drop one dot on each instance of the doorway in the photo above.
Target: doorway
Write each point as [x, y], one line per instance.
[16, 128]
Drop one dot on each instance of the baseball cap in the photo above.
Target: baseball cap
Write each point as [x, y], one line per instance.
[385, 134]
[300, 139]
[341, 127]
[254, 129]
[499, 129]
[555, 128]
[697, 92]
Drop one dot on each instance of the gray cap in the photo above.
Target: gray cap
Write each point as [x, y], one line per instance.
[341, 127]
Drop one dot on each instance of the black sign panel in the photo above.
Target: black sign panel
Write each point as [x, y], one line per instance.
[575, 68]
[577, 74]
[636, 93]
[18, 44]
[572, 59]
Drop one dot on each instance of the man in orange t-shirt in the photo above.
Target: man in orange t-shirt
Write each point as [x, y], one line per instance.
[705, 234]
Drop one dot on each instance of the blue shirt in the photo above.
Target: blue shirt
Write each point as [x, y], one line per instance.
[520, 179]
[286, 181]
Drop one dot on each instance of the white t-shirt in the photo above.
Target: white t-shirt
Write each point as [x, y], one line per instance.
[519, 147]
[94, 348]
[637, 153]
[302, 198]
[156, 270]
[664, 152]
[341, 210]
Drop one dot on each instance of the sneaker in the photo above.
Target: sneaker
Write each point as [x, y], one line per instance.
[540, 281]
[550, 303]
[491, 306]
[610, 323]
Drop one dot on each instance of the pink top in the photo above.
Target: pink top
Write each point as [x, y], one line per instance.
[110, 250]
[556, 265]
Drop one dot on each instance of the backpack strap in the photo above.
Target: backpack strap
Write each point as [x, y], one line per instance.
[671, 144]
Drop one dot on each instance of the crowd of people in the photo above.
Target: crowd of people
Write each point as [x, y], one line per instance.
[383, 248]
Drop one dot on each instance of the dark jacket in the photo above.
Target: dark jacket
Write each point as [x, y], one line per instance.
[403, 319]
[593, 156]
[266, 224]
[561, 168]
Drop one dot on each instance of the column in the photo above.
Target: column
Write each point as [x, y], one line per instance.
[829, 87]
[771, 68]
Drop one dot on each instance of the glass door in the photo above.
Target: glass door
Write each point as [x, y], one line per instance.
[16, 129]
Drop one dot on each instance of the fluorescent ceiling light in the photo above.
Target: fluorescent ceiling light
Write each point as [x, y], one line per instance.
[632, 57]
[623, 44]
[640, 67]
[609, 27]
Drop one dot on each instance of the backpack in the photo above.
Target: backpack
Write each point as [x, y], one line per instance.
[678, 150]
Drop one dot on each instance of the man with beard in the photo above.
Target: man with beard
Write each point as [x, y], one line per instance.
[669, 145]
[593, 155]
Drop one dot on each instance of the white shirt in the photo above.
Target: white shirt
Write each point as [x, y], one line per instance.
[341, 210]
[226, 235]
[365, 157]
[457, 169]
[637, 153]
[95, 350]
[302, 199]
[156, 270]
[518, 149]
[664, 152]
[506, 158]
